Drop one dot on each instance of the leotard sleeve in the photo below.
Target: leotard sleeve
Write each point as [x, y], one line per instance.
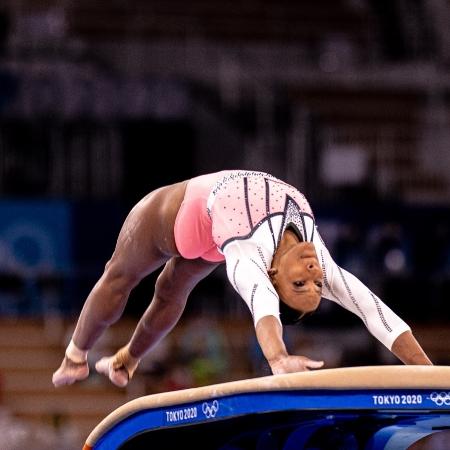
[246, 266]
[348, 291]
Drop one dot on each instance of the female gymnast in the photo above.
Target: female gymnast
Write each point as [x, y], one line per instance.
[265, 232]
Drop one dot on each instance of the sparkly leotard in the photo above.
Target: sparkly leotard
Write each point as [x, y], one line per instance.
[240, 216]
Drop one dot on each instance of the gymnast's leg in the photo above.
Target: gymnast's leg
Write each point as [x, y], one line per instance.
[145, 243]
[172, 289]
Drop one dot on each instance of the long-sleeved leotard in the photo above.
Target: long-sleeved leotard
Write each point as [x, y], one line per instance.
[243, 217]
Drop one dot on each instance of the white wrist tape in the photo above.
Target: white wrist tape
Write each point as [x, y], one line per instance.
[75, 354]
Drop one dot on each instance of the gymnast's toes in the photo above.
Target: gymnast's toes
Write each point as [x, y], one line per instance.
[69, 373]
[118, 376]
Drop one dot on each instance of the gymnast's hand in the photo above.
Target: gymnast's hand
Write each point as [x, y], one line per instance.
[292, 363]
[270, 337]
[69, 372]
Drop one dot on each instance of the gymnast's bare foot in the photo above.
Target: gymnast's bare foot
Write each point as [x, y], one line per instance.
[119, 368]
[108, 366]
[69, 372]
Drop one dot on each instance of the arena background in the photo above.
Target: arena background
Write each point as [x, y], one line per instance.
[103, 101]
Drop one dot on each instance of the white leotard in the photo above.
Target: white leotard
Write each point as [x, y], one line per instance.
[248, 253]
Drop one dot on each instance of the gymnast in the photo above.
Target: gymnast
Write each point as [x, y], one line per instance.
[265, 232]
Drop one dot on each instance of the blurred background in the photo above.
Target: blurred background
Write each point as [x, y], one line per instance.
[103, 101]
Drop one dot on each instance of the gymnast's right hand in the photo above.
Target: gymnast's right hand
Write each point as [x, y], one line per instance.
[292, 363]
[69, 372]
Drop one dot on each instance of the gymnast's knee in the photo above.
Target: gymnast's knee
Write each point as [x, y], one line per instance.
[119, 281]
[168, 291]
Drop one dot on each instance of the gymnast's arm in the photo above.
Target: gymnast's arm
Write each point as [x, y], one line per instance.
[408, 350]
[249, 277]
[348, 291]
[269, 333]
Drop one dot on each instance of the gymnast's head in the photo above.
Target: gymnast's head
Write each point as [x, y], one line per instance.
[297, 278]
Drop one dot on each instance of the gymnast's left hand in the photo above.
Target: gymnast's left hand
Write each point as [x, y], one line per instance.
[292, 363]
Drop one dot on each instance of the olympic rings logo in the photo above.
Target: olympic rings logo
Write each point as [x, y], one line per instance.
[440, 398]
[210, 411]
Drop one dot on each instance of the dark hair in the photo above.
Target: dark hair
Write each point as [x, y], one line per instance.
[288, 315]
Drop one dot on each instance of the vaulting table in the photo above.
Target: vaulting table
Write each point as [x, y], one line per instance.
[356, 408]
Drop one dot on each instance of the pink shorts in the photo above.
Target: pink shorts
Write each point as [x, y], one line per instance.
[193, 226]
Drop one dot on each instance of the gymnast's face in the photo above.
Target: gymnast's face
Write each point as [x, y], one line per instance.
[297, 277]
